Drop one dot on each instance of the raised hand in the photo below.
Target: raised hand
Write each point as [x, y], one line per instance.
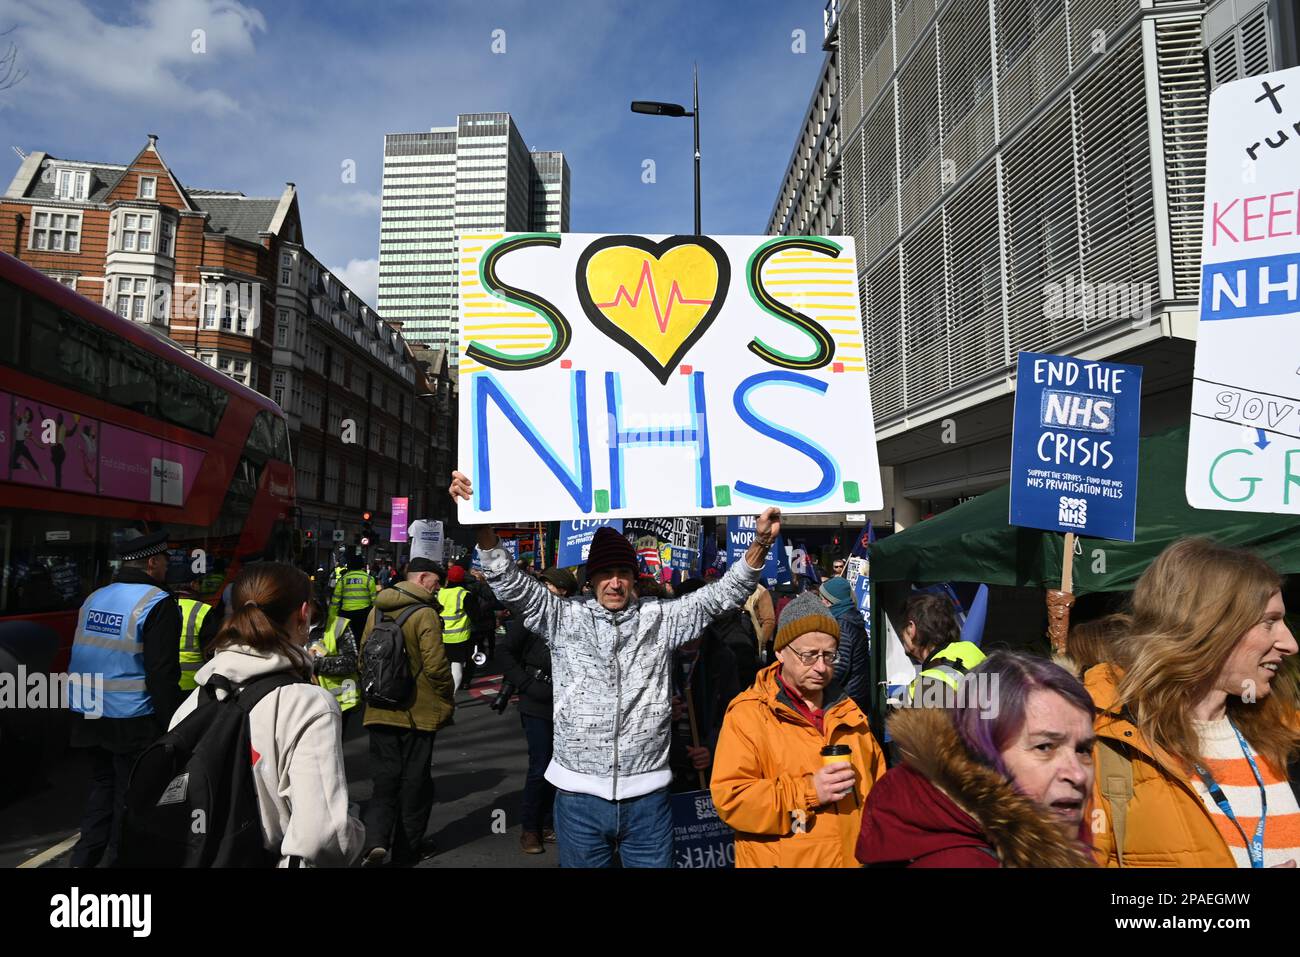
[461, 487]
[769, 526]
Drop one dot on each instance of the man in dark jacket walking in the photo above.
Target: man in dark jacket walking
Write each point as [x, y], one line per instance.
[526, 664]
[401, 739]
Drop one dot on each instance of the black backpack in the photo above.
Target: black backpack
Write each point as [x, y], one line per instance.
[191, 801]
[386, 679]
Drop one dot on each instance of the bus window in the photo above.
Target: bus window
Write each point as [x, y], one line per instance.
[217, 553]
[9, 301]
[51, 561]
[132, 378]
[281, 432]
[188, 401]
[65, 349]
[62, 349]
[280, 546]
[269, 438]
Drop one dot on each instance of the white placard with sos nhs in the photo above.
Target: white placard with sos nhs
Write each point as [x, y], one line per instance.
[1074, 452]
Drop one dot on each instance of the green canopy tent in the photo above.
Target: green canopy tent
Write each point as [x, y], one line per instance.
[974, 543]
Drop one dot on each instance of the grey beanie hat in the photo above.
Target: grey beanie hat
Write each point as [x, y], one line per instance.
[804, 614]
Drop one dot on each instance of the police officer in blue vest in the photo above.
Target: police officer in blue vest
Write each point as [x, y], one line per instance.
[125, 670]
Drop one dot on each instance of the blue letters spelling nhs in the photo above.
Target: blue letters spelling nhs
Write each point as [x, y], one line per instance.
[1269, 286]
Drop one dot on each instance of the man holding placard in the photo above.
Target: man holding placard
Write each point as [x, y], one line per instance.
[612, 669]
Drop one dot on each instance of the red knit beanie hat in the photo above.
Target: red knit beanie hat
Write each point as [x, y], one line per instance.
[609, 549]
[455, 574]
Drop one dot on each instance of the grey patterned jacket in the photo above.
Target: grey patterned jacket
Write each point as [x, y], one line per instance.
[612, 673]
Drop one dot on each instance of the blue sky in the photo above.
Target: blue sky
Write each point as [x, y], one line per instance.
[289, 91]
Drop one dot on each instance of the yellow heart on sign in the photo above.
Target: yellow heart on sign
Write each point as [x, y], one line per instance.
[655, 299]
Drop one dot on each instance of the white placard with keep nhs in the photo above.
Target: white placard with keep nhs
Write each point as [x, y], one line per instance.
[1244, 446]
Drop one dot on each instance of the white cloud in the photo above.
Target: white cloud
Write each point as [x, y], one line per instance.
[352, 201]
[362, 277]
[149, 59]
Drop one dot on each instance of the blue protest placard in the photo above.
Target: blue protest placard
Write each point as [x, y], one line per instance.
[740, 535]
[575, 539]
[700, 839]
[1074, 454]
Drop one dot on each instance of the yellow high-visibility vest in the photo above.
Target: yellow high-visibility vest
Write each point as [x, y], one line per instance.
[193, 612]
[455, 621]
[344, 689]
[355, 590]
[949, 665]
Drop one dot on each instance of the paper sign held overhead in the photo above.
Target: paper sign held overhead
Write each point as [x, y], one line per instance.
[427, 541]
[1243, 450]
[611, 376]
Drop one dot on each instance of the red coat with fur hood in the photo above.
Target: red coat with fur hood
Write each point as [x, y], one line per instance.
[943, 808]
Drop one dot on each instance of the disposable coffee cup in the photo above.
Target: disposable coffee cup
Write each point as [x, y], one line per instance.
[836, 754]
[839, 754]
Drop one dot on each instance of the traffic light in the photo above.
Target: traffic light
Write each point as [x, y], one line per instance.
[311, 537]
[367, 530]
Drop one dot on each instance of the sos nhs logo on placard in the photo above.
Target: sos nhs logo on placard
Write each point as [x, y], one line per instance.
[1075, 446]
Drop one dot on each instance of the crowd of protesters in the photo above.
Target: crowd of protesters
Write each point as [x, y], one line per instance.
[1165, 736]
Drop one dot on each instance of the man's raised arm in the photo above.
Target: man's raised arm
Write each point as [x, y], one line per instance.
[529, 599]
[692, 613]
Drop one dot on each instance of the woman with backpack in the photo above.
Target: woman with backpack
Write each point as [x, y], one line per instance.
[295, 730]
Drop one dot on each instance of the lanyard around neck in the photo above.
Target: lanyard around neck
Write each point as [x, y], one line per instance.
[1255, 845]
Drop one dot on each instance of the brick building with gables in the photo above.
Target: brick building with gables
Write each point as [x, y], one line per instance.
[229, 279]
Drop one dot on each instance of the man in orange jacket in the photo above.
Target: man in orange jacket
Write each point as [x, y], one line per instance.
[790, 803]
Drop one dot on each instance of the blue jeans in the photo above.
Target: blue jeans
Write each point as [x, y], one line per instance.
[539, 793]
[590, 830]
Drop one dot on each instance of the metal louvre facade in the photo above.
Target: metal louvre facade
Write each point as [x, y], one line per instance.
[995, 150]
[809, 202]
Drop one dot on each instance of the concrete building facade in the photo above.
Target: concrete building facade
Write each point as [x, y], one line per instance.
[475, 176]
[1017, 175]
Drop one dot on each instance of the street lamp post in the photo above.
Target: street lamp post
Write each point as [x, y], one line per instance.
[655, 108]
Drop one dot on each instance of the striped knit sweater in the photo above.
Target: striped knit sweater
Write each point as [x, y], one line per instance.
[1227, 763]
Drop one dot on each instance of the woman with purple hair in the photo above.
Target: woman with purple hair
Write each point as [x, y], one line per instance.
[1001, 780]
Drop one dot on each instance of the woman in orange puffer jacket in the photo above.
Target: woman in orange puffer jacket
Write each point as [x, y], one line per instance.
[1198, 715]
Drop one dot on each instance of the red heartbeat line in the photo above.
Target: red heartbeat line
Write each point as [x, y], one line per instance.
[647, 279]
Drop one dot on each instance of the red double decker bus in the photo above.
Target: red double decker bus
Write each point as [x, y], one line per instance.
[105, 425]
